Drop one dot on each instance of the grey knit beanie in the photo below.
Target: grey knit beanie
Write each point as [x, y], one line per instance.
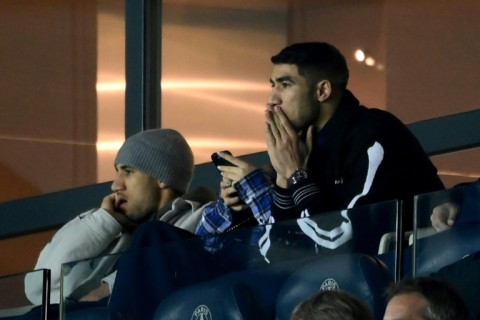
[163, 154]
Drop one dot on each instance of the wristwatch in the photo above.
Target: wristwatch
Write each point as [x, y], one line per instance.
[298, 175]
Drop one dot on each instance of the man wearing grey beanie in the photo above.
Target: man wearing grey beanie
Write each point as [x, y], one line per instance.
[154, 169]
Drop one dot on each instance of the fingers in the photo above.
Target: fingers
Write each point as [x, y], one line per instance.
[226, 183]
[237, 162]
[283, 123]
[276, 120]
[231, 198]
[235, 173]
[452, 213]
[278, 125]
[271, 129]
[438, 225]
[109, 202]
[443, 216]
[286, 150]
[437, 218]
[230, 158]
[239, 207]
[229, 178]
[226, 187]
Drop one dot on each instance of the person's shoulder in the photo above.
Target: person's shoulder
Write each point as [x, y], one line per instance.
[382, 117]
[377, 121]
[200, 194]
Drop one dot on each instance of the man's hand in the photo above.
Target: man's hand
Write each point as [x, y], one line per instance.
[231, 175]
[238, 171]
[109, 203]
[230, 196]
[443, 216]
[96, 294]
[286, 150]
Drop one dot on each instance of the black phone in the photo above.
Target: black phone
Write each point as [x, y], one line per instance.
[219, 161]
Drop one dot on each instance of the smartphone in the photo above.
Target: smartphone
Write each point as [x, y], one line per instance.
[219, 161]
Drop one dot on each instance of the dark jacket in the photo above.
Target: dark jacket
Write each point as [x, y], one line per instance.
[338, 168]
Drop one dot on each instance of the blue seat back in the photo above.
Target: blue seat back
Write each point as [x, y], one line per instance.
[219, 300]
[447, 247]
[362, 275]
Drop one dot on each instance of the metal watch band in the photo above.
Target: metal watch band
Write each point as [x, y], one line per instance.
[297, 176]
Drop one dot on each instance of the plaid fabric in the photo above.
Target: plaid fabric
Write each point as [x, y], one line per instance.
[255, 189]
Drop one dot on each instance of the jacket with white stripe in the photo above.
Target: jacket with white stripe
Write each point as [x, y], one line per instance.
[361, 156]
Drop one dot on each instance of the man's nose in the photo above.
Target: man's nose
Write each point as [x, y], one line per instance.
[117, 184]
[274, 99]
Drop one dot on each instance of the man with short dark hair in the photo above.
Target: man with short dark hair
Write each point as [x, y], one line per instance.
[330, 152]
[424, 298]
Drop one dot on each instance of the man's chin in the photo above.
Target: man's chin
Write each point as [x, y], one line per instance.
[300, 129]
[138, 219]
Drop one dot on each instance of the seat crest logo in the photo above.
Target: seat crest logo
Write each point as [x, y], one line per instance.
[202, 313]
[329, 284]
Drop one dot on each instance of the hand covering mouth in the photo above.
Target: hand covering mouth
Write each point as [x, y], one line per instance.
[120, 201]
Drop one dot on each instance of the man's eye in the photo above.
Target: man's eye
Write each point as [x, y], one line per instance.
[285, 85]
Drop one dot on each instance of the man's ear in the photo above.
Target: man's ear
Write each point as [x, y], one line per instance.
[323, 90]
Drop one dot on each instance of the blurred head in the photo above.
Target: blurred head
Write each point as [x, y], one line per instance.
[332, 305]
[424, 298]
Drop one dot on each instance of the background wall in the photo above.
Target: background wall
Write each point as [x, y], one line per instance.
[215, 71]
[48, 107]
[48, 100]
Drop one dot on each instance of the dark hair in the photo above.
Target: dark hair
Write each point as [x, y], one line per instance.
[316, 61]
[332, 305]
[444, 303]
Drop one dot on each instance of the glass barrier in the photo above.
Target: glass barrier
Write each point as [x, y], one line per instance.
[81, 283]
[267, 253]
[449, 250]
[13, 300]
[437, 243]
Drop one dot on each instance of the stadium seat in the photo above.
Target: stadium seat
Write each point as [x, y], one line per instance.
[359, 274]
[447, 247]
[220, 300]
